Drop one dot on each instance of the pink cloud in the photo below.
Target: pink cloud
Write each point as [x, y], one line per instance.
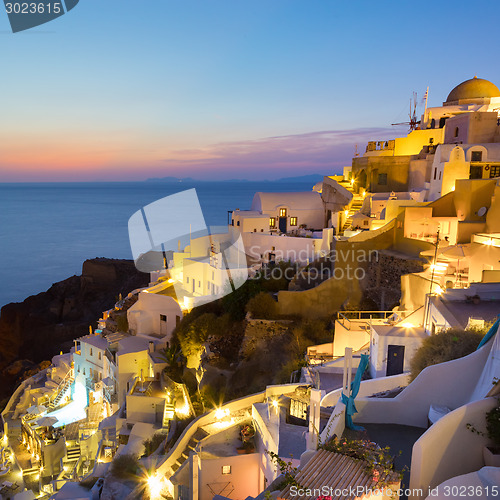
[272, 157]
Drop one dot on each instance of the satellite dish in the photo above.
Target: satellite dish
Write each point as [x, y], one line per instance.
[482, 211]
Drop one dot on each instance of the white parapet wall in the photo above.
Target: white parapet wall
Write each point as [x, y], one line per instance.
[448, 384]
[335, 425]
[369, 387]
[449, 448]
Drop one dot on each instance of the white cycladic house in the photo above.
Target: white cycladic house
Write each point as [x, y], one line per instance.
[154, 314]
[281, 212]
[92, 360]
[392, 348]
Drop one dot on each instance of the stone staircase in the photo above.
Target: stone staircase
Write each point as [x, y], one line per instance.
[356, 204]
[168, 414]
[197, 437]
[70, 463]
[61, 390]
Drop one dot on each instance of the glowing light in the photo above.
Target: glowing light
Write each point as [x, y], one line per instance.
[170, 280]
[408, 324]
[489, 242]
[346, 212]
[154, 485]
[223, 424]
[220, 413]
[439, 290]
[439, 267]
[183, 411]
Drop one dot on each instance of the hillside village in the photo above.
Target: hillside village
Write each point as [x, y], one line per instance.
[258, 347]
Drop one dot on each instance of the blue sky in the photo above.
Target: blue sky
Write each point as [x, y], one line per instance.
[131, 89]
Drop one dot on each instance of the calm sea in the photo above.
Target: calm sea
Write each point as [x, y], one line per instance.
[47, 230]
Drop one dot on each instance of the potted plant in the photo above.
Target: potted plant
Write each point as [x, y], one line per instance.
[248, 446]
[247, 432]
[491, 453]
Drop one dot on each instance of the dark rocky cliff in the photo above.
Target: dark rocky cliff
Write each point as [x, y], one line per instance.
[44, 324]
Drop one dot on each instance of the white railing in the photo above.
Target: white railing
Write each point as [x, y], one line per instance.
[63, 385]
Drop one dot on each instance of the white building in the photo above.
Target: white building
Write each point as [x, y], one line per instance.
[281, 212]
[155, 314]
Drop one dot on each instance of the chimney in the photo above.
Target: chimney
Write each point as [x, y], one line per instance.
[151, 346]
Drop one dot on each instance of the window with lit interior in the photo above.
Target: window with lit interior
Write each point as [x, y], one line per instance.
[282, 212]
[293, 221]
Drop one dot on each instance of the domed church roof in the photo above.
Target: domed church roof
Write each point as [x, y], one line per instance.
[475, 88]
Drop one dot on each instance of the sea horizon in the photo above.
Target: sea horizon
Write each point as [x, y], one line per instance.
[50, 228]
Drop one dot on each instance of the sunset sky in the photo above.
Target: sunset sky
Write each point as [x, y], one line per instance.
[213, 89]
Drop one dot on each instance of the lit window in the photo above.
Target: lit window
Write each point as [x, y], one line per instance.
[495, 171]
[226, 469]
[293, 221]
[282, 212]
[272, 222]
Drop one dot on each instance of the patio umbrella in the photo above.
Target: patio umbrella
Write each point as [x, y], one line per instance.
[452, 252]
[36, 409]
[46, 421]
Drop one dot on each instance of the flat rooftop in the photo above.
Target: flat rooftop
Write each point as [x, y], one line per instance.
[95, 341]
[222, 444]
[462, 310]
[149, 388]
[400, 331]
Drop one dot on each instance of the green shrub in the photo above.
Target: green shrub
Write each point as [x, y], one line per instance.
[263, 306]
[152, 444]
[493, 425]
[125, 466]
[445, 346]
